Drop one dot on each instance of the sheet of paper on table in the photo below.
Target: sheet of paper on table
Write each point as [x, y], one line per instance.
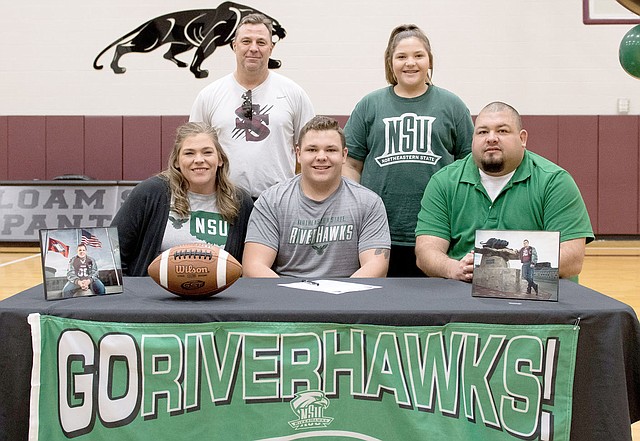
[330, 286]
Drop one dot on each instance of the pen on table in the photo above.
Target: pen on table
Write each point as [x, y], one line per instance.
[311, 282]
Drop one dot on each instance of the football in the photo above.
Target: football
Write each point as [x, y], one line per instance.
[195, 270]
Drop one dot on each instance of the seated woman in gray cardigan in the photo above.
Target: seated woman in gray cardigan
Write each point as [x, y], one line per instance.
[193, 200]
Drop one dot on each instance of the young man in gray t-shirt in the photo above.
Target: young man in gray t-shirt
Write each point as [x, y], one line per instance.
[318, 224]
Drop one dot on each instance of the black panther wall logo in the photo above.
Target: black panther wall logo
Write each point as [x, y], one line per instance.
[204, 29]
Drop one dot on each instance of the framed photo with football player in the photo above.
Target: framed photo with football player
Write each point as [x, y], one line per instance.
[513, 264]
[80, 262]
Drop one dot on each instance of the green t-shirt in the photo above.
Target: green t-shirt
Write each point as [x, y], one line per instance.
[539, 196]
[402, 143]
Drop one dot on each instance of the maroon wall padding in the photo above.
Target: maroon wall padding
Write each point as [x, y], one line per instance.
[578, 138]
[618, 175]
[543, 135]
[64, 145]
[342, 119]
[4, 156]
[169, 126]
[26, 148]
[600, 152]
[103, 147]
[141, 147]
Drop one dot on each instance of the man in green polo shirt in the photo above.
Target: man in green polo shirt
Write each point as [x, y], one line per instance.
[500, 186]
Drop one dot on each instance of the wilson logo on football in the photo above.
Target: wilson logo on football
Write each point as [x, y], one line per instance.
[193, 284]
[190, 269]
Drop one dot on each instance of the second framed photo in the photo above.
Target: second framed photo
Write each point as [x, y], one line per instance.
[516, 264]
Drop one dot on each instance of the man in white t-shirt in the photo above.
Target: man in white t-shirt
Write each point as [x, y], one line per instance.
[257, 114]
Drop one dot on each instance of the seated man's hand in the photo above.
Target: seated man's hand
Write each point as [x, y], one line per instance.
[463, 269]
[432, 258]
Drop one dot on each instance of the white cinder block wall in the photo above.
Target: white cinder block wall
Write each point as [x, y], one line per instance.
[535, 54]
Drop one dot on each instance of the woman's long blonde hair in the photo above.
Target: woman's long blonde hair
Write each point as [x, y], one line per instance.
[228, 204]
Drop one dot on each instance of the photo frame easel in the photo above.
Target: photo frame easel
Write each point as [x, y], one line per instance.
[80, 262]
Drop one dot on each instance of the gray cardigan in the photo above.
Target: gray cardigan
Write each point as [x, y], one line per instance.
[142, 219]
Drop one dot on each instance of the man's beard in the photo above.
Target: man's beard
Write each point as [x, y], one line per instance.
[492, 165]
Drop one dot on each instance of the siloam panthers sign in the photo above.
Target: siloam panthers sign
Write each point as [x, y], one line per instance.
[202, 29]
[287, 381]
[26, 209]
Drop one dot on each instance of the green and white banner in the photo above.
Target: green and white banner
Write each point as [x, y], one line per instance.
[287, 381]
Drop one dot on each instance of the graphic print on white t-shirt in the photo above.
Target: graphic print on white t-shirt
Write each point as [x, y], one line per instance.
[252, 129]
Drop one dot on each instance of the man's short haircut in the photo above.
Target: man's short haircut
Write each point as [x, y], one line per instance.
[256, 19]
[499, 106]
[321, 123]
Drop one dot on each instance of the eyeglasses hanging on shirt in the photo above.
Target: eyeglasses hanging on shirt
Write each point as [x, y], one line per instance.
[247, 105]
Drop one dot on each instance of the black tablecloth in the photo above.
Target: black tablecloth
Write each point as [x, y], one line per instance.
[607, 377]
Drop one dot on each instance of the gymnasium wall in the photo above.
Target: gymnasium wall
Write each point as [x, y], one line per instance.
[59, 115]
[537, 55]
[601, 153]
